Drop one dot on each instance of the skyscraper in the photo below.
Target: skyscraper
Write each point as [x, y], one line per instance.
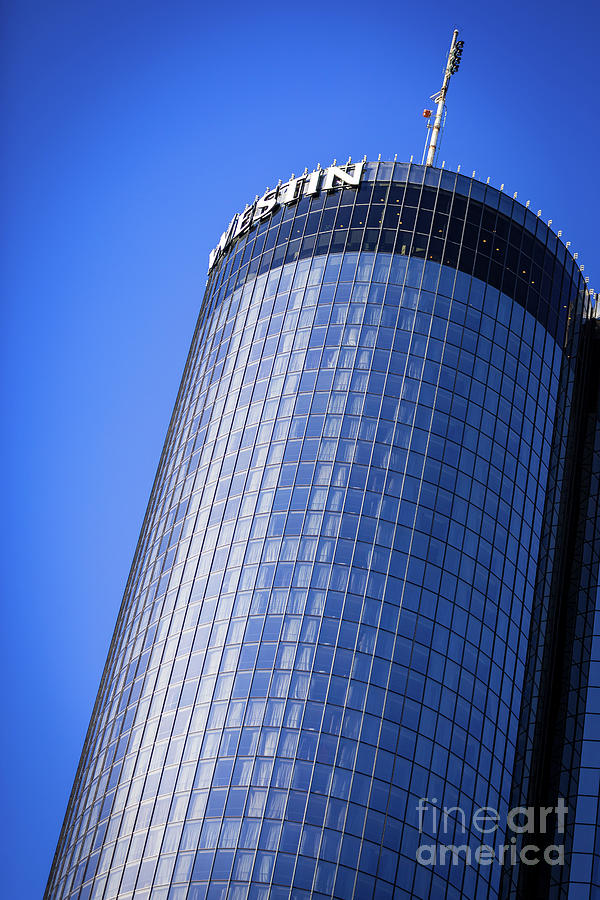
[361, 624]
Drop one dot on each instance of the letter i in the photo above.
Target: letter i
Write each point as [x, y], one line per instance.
[311, 186]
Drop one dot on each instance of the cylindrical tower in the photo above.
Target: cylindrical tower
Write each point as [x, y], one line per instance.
[325, 633]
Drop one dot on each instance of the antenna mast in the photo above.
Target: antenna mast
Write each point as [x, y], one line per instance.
[456, 49]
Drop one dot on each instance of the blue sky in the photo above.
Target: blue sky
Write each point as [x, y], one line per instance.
[133, 132]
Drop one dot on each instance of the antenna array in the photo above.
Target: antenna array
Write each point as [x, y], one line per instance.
[452, 64]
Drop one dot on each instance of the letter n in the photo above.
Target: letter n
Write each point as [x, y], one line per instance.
[343, 176]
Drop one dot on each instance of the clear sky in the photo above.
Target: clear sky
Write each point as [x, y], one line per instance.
[133, 131]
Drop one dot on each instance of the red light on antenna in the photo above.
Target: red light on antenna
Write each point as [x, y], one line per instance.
[426, 113]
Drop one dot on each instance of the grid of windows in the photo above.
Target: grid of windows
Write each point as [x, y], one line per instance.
[427, 213]
[580, 777]
[560, 714]
[328, 613]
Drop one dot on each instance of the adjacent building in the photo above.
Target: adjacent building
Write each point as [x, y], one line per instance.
[363, 607]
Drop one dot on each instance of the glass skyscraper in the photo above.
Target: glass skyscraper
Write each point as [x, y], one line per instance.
[362, 622]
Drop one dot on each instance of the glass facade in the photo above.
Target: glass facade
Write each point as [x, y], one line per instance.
[349, 591]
